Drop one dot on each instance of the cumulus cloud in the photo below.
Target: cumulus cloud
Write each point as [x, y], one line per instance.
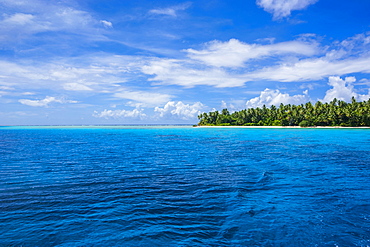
[180, 110]
[136, 113]
[343, 90]
[270, 97]
[282, 8]
[45, 102]
[171, 11]
[234, 53]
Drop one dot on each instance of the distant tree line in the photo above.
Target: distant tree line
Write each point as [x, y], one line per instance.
[334, 113]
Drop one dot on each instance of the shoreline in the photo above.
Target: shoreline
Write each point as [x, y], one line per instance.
[169, 126]
[283, 127]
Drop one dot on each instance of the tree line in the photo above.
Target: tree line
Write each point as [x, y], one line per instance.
[334, 113]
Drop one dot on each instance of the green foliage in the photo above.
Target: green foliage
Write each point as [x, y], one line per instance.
[250, 124]
[305, 123]
[334, 113]
[276, 123]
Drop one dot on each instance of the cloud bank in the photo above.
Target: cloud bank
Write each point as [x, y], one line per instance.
[171, 110]
[180, 110]
[136, 113]
[234, 63]
[343, 89]
[271, 97]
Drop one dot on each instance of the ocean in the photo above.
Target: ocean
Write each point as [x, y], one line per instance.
[184, 186]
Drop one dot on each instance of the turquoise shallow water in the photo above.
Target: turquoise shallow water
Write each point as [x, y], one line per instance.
[183, 186]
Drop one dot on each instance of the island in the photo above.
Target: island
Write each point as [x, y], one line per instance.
[334, 113]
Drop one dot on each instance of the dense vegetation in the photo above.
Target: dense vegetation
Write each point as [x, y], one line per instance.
[334, 113]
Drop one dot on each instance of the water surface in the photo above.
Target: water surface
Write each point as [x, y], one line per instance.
[183, 186]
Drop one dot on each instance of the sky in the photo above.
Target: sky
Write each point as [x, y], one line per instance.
[81, 62]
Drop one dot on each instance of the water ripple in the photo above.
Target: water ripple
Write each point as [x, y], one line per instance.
[184, 187]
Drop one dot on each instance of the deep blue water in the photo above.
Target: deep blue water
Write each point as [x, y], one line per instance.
[183, 186]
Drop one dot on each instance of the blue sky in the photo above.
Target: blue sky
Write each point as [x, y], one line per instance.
[122, 62]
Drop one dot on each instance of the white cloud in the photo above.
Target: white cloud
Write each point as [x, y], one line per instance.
[6, 88]
[270, 97]
[45, 102]
[313, 69]
[234, 53]
[19, 19]
[72, 19]
[180, 110]
[32, 17]
[171, 11]
[18, 26]
[283, 8]
[364, 81]
[356, 42]
[266, 40]
[95, 73]
[233, 105]
[219, 64]
[343, 90]
[106, 24]
[146, 98]
[28, 93]
[73, 86]
[136, 113]
[223, 104]
[166, 11]
[190, 74]
[225, 64]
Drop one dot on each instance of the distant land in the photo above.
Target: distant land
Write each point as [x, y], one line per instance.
[336, 113]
